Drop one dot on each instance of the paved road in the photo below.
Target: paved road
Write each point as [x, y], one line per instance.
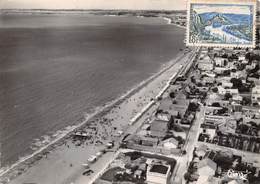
[183, 161]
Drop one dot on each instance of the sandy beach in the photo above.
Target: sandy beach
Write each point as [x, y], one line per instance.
[62, 162]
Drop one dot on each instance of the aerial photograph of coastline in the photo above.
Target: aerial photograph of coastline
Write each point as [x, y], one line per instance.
[137, 91]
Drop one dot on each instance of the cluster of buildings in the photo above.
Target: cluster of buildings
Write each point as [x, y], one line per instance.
[217, 166]
[150, 154]
[166, 131]
[223, 86]
[138, 167]
[232, 115]
[228, 145]
[179, 19]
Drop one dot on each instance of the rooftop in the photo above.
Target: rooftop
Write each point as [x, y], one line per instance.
[207, 162]
[159, 169]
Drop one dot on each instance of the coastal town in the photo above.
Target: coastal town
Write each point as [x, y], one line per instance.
[201, 126]
[209, 117]
[205, 126]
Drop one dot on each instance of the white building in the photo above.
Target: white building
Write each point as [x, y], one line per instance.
[227, 84]
[255, 97]
[238, 74]
[205, 64]
[241, 58]
[237, 98]
[201, 150]
[207, 167]
[170, 143]
[219, 61]
[232, 91]
[209, 74]
[228, 127]
[221, 90]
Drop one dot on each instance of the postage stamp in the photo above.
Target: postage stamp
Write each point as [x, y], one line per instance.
[219, 23]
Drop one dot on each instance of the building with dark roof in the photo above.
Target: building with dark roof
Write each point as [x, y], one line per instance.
[158, 173]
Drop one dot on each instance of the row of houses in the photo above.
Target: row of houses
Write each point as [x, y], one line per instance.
[164, 132]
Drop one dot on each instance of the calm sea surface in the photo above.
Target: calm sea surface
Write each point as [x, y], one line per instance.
[53, 68]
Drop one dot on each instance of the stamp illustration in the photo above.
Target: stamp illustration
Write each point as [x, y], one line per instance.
[221, 24]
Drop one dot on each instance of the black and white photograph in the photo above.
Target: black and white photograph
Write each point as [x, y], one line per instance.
[118, 92]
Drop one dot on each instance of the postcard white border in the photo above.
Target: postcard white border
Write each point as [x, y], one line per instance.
[233, 2]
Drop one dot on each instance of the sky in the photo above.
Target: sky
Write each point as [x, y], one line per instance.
[95, 4]
[222, 9]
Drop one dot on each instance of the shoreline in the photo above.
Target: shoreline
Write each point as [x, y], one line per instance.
[130, 13]
[101, 111]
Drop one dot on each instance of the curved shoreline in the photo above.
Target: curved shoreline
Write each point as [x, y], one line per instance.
[102, 110]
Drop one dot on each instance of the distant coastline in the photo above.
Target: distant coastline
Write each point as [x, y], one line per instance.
[176, 17]
[91, 10]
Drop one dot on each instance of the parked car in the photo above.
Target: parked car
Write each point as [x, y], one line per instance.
[119, 133]
[87, 172]
[110, 145]
[86, 166]
[92, 159]
[99, 154]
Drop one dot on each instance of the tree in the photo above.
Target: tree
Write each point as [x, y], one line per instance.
[225, 55]
[243, 128]
[255, 69]
[227, 96]
[246, 101]
[247, 56]
[215, 104]
[187, 176]
[199, 84]
[215, 90]
[193, 79]
[222, 160]
[193, 107]
[222, 111]
[237, 83]
[172, 94]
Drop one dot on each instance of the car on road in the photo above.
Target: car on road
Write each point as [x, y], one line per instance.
[119, 133]
[110, 145]
[86, 166]
[87, 172]
[99, 154]
[92, 159]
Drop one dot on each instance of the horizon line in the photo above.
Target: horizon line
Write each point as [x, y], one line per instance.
[69, 9]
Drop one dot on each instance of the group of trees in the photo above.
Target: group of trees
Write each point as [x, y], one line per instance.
[222, 111]
[238, 141]
[238, 84]
[251, 57]
[250, 128]
[193, 107]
